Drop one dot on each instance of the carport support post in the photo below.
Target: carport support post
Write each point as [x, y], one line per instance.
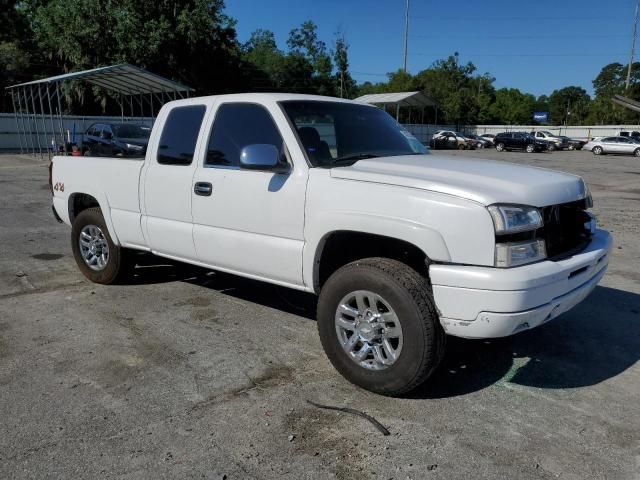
[15, 115]
[44, 123]
[35, 120]
[28, 137]
[64, 142]
[53, 127]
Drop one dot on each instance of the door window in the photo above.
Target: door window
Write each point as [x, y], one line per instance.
[236, 126]
[180, 134]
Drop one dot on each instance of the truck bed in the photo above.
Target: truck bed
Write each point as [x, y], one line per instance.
[113, 181]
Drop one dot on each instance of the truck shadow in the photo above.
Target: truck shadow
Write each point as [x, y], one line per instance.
[595, 341]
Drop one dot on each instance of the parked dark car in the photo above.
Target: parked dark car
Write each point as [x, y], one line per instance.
[116, 140]
[632, 134]
[519, 141]
[478, 141]
[575, 144]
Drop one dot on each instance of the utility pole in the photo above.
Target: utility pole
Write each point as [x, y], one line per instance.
[406, 35]
[633, 44]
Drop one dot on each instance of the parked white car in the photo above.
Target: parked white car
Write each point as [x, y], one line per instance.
[330, 196]
[613, 145]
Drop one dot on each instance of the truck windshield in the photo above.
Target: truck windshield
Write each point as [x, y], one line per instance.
[339, 134]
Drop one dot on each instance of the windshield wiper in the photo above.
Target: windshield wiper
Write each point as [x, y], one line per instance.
[351, 159]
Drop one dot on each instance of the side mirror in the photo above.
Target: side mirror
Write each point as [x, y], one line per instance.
[262, 156]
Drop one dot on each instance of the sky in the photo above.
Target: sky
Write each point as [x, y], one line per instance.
[536, 46]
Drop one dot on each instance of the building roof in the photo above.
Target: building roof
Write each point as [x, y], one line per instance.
[626, 102]
[124, 78]
[404, 99]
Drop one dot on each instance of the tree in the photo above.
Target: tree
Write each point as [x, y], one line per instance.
[304, 41]
[345, 83]
[609, 82]
[569, 105]
[449, 84]
[513, 107]
[191, 41]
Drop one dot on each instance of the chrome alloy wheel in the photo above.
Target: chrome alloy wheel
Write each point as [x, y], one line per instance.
[94, 247]
[368, 329]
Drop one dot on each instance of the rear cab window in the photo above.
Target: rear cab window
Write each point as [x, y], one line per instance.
[179, 135]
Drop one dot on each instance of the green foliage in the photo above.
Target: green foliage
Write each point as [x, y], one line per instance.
[513, 107]
[345, 84]
[569, 105]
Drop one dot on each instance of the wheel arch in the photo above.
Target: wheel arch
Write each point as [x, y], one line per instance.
[339, 247]
[79, 201]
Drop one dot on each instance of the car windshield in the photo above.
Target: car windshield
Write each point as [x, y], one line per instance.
[132, 131]
[339, 134]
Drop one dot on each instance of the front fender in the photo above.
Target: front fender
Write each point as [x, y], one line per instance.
[425, 238]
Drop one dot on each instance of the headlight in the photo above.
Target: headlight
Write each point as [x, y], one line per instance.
[131, 146]
[514, 219]
[514, 254]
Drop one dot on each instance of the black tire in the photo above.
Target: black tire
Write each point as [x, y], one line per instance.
[409, 294]
[530, 148]
[500, 147]
[462, 146]
[551, 147]
[597, 150]
[637, 152]
[116, 267]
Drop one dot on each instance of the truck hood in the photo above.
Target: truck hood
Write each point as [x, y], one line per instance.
[483, 181]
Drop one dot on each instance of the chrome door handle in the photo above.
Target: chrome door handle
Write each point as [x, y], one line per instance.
[203, 189]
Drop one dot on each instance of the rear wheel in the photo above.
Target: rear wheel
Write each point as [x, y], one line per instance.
[379, 327]
[98, 257]
[530, 148]
[637, 152]
[597, 150]
[551, 147]
[500, 147]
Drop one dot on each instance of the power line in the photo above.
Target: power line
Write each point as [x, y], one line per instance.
[525, 54]
[474, 18]
[482, 36]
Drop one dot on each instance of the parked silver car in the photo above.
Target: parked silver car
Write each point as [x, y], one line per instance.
[614, 145]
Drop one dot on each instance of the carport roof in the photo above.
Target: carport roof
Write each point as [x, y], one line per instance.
[123, 78]
[404, 99]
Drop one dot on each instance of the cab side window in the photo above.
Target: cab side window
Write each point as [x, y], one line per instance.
[236, 126]
[180, 134]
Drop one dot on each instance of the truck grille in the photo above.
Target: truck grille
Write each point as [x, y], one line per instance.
[566, 229]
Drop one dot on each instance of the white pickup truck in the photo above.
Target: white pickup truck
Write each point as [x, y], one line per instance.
[334, 197]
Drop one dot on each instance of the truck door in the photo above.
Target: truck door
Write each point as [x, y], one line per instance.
[247, 221]
[168, 179]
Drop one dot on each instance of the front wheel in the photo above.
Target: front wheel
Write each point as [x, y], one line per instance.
[379, 326]
[98, 257]
[637, 152]
[530, 148]
[597, 150]
[500, 147]
[551, 147]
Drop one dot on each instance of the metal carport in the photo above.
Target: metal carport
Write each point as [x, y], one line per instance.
[401, 99]
[40, 100]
